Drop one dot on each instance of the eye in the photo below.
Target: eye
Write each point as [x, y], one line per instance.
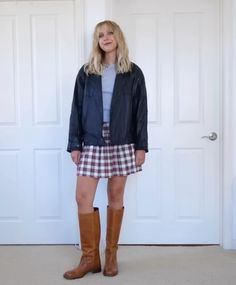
[100, 35]
[110, 33]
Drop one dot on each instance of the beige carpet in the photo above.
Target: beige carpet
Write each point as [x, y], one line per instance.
[139, 265]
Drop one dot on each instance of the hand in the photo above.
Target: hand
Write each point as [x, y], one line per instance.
[75, 156]
[139, 157]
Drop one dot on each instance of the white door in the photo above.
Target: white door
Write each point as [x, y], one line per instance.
[175, 200]
[37, 74]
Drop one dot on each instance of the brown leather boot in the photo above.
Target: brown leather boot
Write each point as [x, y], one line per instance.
[89, 238]
[114, 221]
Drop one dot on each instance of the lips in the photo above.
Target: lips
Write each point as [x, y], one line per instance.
[106, 44]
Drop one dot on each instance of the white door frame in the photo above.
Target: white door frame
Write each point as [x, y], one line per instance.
[227, 74]
[84, 10]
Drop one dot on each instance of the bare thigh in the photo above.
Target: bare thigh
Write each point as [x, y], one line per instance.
[85, 193]
[115, 191]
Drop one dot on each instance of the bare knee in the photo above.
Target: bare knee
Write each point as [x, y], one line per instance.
[115, 195]
[85, 192]
[115, 191]
[83, 199]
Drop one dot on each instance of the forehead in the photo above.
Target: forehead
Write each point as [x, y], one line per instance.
[104, 28]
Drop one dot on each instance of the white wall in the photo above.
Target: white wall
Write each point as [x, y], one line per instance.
[229, 125]
[88, 14]
[94, 12]
[234, 126]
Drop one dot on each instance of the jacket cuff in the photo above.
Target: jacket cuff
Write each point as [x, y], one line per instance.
[74, 146]
[145, 148]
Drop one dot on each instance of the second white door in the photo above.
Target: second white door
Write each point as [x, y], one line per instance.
[175, 200]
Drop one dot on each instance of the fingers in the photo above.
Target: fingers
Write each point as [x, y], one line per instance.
[139, 161]
[139, 157]
[75, 156]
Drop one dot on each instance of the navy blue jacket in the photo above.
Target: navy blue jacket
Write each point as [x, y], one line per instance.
[128, 117]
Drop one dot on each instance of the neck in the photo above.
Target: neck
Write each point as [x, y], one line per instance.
[110, 58]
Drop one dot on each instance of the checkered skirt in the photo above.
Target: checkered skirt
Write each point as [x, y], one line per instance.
[109, 160]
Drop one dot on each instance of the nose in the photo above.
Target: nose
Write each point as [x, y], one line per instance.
[106, 37]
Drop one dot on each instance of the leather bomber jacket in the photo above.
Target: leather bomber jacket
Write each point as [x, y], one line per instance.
[128, 117]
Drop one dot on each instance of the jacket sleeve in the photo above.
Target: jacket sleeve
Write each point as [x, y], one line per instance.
[75, 126]
[141, 113]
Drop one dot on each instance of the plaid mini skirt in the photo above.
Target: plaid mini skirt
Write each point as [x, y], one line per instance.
[109, 160]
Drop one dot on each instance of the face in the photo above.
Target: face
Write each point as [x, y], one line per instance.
[106, 39]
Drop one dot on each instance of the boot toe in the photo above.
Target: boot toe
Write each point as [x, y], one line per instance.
[68, 275]
[110, 273]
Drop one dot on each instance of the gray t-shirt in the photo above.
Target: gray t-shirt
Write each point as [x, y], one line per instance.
[108, 80]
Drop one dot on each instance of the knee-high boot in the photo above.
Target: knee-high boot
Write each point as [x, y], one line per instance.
[114, 221]
[89, 238]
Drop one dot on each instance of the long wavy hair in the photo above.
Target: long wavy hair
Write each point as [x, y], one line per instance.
[95, 63]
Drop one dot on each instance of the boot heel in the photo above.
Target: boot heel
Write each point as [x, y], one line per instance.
[97, 270]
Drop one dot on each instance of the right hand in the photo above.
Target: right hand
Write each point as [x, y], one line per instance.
[75, 156]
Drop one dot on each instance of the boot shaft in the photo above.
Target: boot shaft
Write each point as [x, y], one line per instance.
[114, 222]
[90, 231]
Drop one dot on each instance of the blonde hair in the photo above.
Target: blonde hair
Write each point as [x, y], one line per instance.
[95, 64]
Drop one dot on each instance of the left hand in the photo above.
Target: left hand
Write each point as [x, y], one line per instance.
[139, 157]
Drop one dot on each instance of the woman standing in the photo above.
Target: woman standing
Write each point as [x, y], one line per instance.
[107, 138]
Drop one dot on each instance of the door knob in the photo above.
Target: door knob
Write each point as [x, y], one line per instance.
[212, 136]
